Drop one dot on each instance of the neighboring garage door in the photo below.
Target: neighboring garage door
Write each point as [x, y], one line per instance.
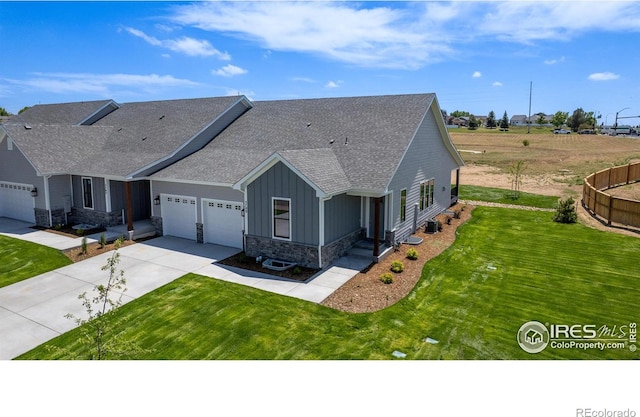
[178, 216]
[16, 202]
[222, 222]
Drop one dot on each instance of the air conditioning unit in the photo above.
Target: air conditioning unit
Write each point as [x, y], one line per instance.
[431, 226]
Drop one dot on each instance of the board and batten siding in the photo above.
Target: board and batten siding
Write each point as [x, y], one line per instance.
[58, 189]
[280, 182]
[426, 158]
[140, 196]
[97, 184]
[341, 217]
[194, 190]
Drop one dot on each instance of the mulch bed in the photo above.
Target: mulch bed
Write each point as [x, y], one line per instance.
[240, 260]
[366, 293]
[93, 249]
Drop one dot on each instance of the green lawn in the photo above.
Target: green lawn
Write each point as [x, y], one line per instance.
[507, 267]
[21, 260]
[500, 195]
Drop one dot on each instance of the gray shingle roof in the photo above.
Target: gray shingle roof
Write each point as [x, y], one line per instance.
[139, 134]
[367, 136]
[57, 149]
[337, 143]
[63, 113]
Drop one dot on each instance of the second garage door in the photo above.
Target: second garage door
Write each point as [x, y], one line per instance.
[222, 222]
[178, 216]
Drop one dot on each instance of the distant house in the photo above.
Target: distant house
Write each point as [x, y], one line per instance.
[297, 180]
[518, 120]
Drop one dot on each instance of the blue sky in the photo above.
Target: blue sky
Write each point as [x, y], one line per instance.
[476, 56]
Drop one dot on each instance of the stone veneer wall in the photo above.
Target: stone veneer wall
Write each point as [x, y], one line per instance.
[339, 247]
[303, 255]
[157, 223]
[101, 218]
[42, 217]
[199, 233]
[57, 217]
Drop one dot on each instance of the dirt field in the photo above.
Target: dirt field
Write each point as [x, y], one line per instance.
[554, 164]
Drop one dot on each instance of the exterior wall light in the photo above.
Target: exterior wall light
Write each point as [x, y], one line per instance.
[34, 192]
[156, 201]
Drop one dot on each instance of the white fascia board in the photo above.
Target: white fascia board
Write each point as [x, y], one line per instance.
[367, 193]
[242, 100]
[190, 182]
[435, 107]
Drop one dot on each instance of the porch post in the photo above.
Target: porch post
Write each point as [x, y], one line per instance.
[376, 226]
[129, 205]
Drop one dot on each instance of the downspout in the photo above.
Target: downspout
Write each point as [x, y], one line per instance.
[245, 219]
[320, 230]
[47, 203]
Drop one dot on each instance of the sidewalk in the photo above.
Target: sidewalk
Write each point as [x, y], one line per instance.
[32, 311]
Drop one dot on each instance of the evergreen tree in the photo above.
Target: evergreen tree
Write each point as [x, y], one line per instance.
[504, 122]
[491, 120]
[566, 212]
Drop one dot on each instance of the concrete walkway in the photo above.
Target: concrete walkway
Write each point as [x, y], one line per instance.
[32, 311]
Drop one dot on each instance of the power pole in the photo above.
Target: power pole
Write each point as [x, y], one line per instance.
[529, 120]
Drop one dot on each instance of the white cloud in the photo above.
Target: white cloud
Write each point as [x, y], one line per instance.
[476, 74]
[554, 61]
[527, 22]
[230, 71]
[333, 84]
[89, 83]
[603, 76]
[375, 36]
[497, 84]
[304, 80]
[406, 35]
[184, 45]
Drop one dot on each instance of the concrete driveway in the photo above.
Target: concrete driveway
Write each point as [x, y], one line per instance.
[32, 311]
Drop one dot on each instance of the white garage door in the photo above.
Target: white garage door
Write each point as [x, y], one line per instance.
[178, 216]
[223, 222]
[16, 202]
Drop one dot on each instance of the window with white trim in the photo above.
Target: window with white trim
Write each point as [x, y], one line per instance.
[87, 192]
[281, 214]
[426, 193]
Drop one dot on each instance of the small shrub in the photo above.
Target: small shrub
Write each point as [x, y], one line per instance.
[102, 241]
[386, 278]
[80, 232]
[412, 254]
[526, 142]
[566, 212]
[397, 266]
[297, 270]
[439, 225]
[448, 219]
[83, 245]
[243, 258]
[58, 227]
[456, 214]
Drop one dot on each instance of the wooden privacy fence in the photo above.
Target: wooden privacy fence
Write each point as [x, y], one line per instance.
[608, 207]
